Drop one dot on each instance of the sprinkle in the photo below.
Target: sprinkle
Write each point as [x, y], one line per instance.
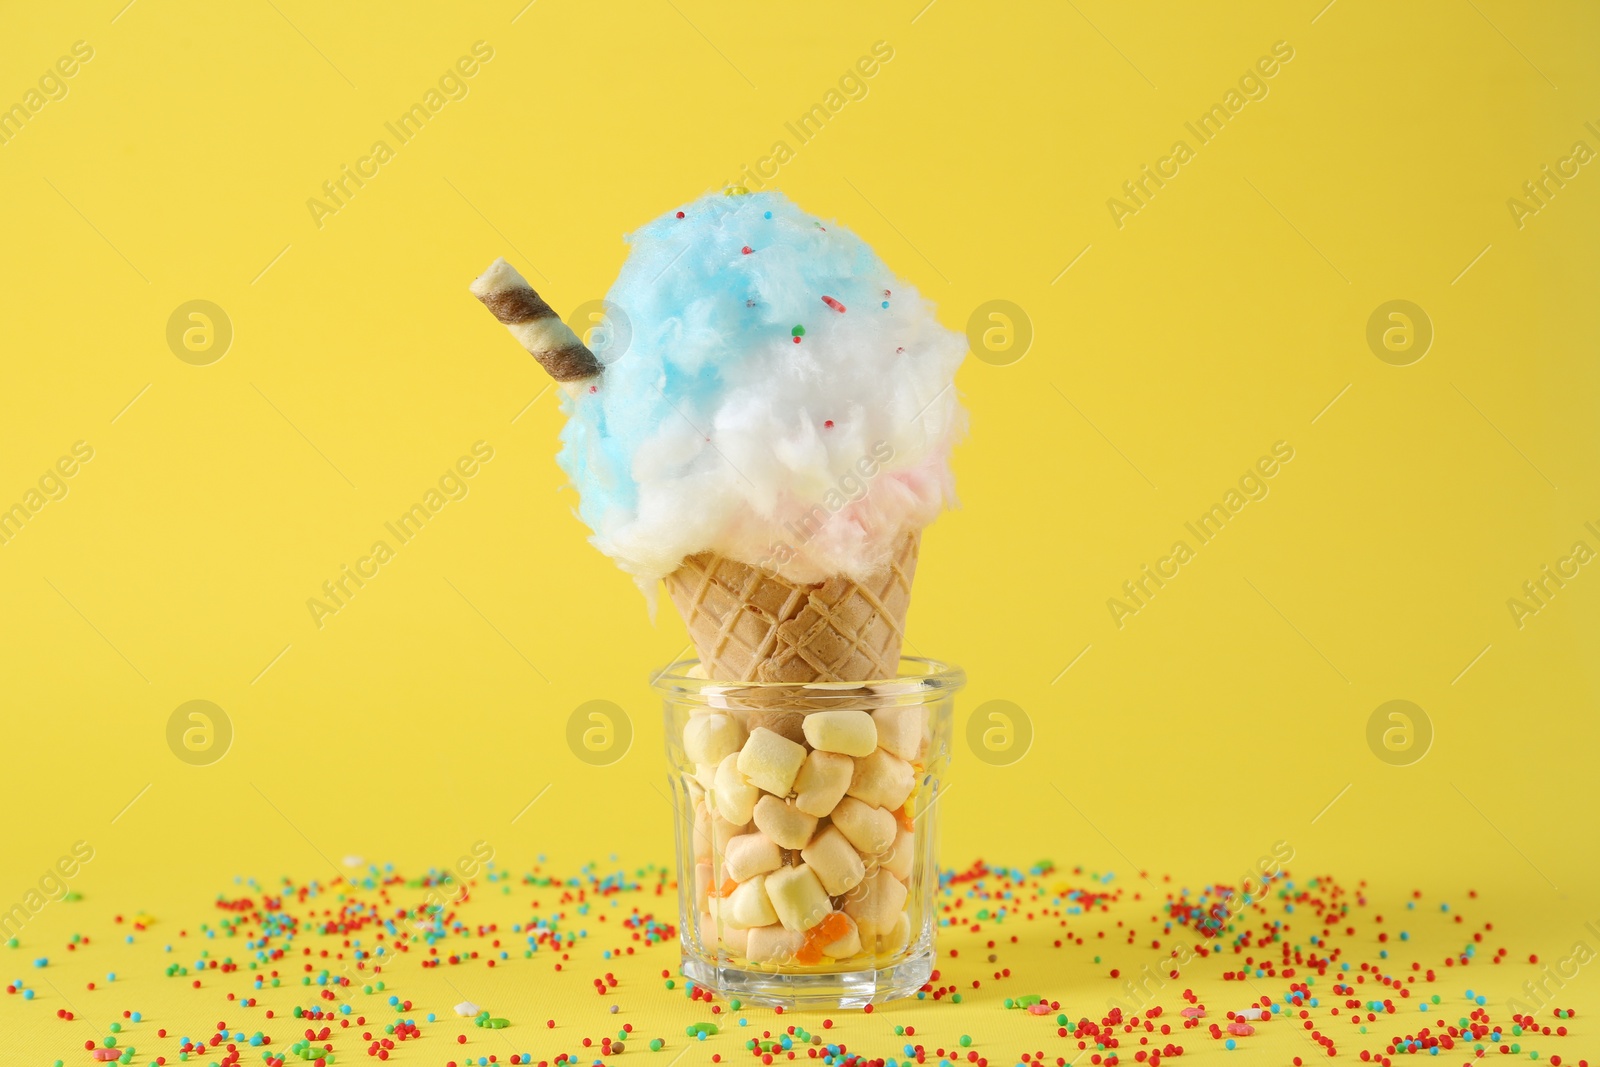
[746, 250]
[680, 214]
[834, 304]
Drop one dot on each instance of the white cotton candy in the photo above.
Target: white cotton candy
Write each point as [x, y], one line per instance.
[711, 429]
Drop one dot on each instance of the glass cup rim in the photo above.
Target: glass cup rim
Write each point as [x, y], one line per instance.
[927, 677]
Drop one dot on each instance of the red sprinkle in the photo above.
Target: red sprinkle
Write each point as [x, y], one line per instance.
[746, 250]
[834, 304]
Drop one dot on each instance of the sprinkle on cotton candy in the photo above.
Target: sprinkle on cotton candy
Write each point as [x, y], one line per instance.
[718, 430]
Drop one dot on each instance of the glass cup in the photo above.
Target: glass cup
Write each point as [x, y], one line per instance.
[807, 832]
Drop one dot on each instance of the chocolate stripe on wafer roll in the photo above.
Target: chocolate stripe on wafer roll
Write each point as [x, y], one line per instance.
[512, 301]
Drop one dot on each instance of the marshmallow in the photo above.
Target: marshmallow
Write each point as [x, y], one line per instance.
[784, 823]
[772, 944]
[704, 778]
[703, 884]
[900, 729]
[880, 779]
[835, 861]
[847, 944]
[850, 732]
[897, 860]
[702, 834]
[707, 738]
[876, 904]
[723, 831]
[749, 855]
[712, 833]
[734, 939]
[748, 906]
[732, 792]
[822, 780]
[798, 897]
[896, 939]
[771, 761]
[868, 828]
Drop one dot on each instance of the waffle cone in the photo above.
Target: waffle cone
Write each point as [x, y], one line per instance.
[749, 625]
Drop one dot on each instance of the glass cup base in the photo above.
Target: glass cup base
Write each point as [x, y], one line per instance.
[843, 989]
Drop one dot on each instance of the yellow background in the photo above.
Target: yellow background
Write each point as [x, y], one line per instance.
[1223, 317]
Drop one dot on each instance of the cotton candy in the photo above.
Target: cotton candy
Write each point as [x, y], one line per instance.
[712, 429]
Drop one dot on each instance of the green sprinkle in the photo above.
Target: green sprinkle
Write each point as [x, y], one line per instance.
[966, 1040]
[656, 1044]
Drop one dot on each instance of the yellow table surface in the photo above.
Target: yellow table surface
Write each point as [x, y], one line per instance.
[1413, 547]
[1030, 964]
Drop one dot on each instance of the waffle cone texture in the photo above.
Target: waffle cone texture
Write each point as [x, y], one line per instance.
[749, 625]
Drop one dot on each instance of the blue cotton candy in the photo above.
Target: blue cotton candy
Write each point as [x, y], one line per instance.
[709, 428]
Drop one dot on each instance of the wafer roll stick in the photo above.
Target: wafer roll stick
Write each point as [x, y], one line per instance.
[540, 330]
